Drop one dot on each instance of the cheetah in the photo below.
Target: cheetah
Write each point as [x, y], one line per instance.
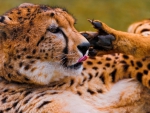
[44, 68]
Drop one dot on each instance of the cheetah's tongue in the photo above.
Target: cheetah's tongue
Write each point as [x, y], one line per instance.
[82, 58]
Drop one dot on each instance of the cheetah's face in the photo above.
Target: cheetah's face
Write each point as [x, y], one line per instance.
[40, 44]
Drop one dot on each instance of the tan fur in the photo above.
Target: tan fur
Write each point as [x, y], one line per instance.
[95, 90]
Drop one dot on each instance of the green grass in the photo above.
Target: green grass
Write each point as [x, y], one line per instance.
[116, 13]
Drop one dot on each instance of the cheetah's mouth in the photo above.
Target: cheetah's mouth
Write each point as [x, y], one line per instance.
[79, 63]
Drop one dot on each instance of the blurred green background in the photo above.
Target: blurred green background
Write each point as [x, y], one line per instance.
[116, 13]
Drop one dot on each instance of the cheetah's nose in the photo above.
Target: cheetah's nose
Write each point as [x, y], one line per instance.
[84, 47]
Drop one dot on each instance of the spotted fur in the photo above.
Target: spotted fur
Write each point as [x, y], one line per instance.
[40, 69]
[132, 43]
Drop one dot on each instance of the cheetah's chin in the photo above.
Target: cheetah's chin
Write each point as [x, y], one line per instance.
[79, 63]
[75, 66]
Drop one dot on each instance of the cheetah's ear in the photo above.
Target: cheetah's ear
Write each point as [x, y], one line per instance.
[25, 4]
[3, 25]
[4, 20]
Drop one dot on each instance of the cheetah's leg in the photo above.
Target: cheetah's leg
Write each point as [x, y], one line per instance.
[113, 41]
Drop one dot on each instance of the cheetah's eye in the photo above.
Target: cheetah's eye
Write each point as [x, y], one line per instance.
[53, 29]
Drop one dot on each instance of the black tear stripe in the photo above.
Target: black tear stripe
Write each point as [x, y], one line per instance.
[41, 39]
[65, 50]
[66, 39]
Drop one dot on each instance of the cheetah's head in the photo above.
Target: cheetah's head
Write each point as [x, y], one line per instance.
[39, 44]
